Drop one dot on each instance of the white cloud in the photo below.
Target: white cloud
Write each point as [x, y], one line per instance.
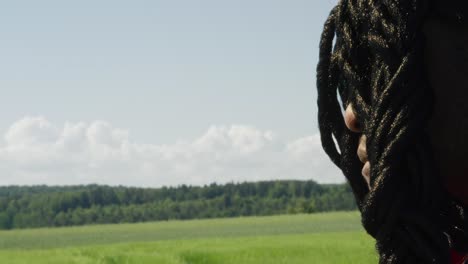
[36, 151]
[31, 131]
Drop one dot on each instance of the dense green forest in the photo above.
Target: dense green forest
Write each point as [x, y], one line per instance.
[41, 206]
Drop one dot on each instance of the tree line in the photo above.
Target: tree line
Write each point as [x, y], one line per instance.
[50, 206]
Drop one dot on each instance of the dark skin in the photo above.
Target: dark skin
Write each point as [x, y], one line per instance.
[446, 62]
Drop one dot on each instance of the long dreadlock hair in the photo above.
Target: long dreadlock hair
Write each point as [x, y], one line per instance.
[371, 55]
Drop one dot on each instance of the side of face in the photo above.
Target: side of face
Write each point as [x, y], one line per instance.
[446, 62]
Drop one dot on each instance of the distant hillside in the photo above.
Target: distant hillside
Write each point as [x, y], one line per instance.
[44, 206]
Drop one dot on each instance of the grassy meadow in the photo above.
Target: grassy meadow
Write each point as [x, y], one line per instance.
[287, 239]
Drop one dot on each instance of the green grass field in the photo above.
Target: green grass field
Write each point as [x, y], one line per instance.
[289, 239]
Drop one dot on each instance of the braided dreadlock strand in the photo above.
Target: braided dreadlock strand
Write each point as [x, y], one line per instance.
[329, 115]
[376, 65]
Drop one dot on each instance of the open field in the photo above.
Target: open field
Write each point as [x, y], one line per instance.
[317, 238]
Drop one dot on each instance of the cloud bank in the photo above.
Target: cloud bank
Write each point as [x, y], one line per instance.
[36, 151]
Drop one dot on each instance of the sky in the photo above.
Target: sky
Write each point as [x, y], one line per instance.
[157, 93]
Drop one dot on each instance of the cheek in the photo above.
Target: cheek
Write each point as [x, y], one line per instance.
[446, 54]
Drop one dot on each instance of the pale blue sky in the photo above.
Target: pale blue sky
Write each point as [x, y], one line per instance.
[162, 69]
[153, 93]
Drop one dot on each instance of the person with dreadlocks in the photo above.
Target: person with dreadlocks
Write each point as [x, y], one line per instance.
[397, 70]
